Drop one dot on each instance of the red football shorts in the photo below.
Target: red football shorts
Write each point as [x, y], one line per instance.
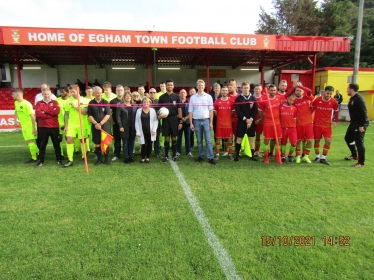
[305, 132]
[320, 132]
[289, 133]
[259, 128]
[269, 131]
[223, 133]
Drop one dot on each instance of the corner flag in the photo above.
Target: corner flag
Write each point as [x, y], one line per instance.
[106, 139]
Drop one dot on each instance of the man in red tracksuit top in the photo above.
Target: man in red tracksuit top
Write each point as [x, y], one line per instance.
[47, 111]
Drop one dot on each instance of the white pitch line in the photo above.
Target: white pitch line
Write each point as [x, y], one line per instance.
[223, 257]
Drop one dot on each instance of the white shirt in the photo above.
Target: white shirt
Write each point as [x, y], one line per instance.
[39, 97]
[200, 106]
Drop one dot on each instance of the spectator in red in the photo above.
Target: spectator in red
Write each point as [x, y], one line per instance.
[47, 111]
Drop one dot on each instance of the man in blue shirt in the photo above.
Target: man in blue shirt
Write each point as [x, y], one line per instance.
[201, 121]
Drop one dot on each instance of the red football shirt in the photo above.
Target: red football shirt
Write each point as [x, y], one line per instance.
[324, 111]
[265, 108]
[259, 100]
[304, 112]
[288, 115]
[233, 98]
[224, 111]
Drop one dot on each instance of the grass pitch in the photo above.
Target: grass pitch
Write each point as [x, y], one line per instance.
[134, 221]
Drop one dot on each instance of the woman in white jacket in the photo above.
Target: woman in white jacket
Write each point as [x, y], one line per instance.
[146, 124]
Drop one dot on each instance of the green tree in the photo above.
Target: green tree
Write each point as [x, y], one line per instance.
[291, 17]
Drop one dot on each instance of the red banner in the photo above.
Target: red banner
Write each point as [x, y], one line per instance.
[138, 39]
[7, 122]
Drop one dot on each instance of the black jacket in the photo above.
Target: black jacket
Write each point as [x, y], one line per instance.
[122, 116]
[246, 107]
[357, 111]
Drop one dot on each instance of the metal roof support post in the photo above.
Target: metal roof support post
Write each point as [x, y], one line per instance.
[314, 65]
[18, 70]
[154, 67]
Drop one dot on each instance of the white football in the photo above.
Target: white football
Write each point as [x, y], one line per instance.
[163, 112]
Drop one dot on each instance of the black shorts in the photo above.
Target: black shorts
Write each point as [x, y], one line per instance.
[241, 129]
[96, 134]
[170, 126]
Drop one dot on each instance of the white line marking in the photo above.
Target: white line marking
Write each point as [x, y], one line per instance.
[223, 257]
[21, 146]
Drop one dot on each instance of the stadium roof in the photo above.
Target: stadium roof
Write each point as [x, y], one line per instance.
[52, 46]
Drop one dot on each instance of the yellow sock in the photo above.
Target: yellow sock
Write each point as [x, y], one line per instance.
[62, 148]
[76, 144]
[33, 150]
[70, 151]
[88, 144]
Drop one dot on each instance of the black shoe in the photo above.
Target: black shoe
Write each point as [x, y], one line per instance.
[270, 155]
[199, 159]
[131, 159]
[76, 153]
[212, 161]
[59, 162]
[324, 161]
[317, 159]
[284, 159]
[236, 159]
[98, 162]
[68, 164]
[107, 162]
[30, 161]
[39, 164]
[165, 159]
[253, 158]
[62, 158]
[351, 157]
[127, 161]
[175, 158]
[290, 158]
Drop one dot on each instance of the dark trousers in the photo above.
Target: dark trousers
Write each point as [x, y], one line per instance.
[187, 131]
[354, 135]
[157, 142]
[128, 147]
[147, 146]
[117, 140]
[43, 136]
[192, 139]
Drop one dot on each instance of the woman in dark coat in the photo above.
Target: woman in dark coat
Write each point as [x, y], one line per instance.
[126, 122]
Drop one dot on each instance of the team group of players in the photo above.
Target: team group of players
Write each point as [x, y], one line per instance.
[281, 115]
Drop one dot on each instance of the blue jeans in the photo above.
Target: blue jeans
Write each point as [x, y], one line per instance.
[202, 127]
[186, 130]
[128, 147]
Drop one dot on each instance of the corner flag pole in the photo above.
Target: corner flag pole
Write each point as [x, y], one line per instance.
[81, 130]
[277, 155]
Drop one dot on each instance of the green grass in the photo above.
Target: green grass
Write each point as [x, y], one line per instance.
[134, 221]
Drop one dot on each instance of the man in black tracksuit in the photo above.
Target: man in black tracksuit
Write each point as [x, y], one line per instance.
[355, 134]
[246, 108]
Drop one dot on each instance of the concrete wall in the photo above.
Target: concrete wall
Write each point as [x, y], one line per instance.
[68, 74]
